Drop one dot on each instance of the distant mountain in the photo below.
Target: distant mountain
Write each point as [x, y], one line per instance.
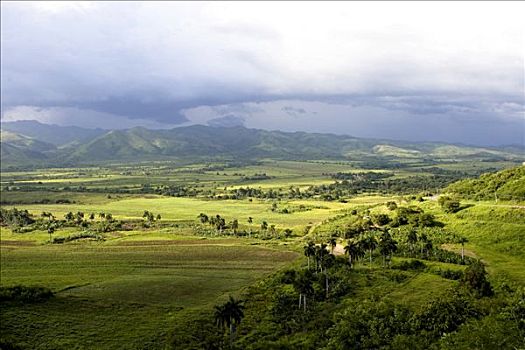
[17, 148]
[54, 134]
[235, 142]
[205, 142]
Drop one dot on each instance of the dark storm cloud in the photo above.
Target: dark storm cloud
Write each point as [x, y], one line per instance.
[164, 63]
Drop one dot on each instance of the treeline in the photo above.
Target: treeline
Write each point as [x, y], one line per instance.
[218, 225]
[91, 224]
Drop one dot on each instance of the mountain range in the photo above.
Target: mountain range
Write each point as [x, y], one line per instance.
[26, 143]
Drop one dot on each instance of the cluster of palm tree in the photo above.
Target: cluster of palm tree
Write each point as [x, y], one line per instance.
[425, 244]
[357, 248]
[323, 260]
[150, 217]
[229, 315]
[216, 221]
[322, 257]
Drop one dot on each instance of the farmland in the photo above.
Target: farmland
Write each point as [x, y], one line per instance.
[132, 266]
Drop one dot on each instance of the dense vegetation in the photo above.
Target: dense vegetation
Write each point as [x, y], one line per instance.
[504, 185]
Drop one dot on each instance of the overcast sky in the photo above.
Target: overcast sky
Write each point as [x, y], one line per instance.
[430, 71]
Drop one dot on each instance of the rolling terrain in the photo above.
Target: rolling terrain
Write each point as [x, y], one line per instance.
[143, 254]
[205, 142]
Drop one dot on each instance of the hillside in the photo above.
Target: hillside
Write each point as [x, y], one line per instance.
[505, 185]
[54, 134]
[205, 142]
[17, 148]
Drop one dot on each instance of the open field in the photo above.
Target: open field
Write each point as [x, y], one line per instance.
[135, 290]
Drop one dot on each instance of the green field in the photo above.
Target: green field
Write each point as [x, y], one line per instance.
[137, 286]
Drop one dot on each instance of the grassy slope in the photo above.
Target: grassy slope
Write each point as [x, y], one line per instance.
[123, 295]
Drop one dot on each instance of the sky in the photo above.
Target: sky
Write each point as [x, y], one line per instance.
[426, 71]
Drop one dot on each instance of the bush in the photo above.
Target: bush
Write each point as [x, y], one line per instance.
[475, 278]
[450, 274]
[449, 205]
[75, 236]
[25, 294]
[410, 265]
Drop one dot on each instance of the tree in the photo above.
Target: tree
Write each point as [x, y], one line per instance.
[449, 205]
[250, 219]
[320, 252]
[412, 239]
[92, 216]
[148, 216]
[354, 251]
[47, 215]
[391, 205]
[369, 243]
[203, 218]
[475, 277]
[387, 246]
[332, 242]
[235, 226]
[69, 216]
[264, 226]
[229, 315]
[159, 217]
[50, 230]
[303, 286]
[309, 250]
[463, 240]
[381, 219]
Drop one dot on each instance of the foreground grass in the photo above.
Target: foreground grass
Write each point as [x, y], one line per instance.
[123, 295]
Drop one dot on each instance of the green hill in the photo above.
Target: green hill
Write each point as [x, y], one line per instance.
[16, 148]
[505, 185]
[205, 142]
[53, 134]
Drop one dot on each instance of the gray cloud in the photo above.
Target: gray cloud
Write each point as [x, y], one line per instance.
[366, 72]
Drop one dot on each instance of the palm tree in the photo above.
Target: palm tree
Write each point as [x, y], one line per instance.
[69, 216]
[412, 239]
[303, 286]
[309, 250]
[332, 242]
[320, 252]
[229, 315]
[203, 218]
[354, 251]
[235, 226]
[463, 240]
[387, 246]
[369, 243]
[50, 230]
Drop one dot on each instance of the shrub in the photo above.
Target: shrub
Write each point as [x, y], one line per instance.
[410, 265]
[25, 294]
[475, 277]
